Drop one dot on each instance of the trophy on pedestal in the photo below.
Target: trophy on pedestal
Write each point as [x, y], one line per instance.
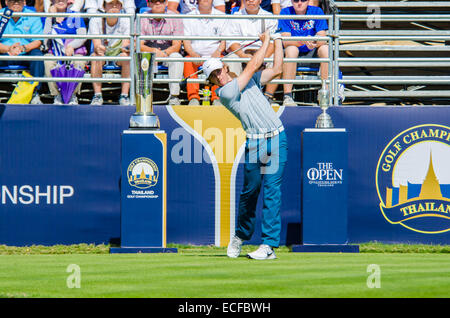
[324, 119]
[143, 187]
[144, 118]
[324, 200]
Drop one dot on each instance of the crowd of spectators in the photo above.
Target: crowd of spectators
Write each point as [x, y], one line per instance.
[218, 28]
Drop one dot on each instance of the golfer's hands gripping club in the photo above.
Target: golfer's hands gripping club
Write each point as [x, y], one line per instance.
[265, 36]
[275, 36]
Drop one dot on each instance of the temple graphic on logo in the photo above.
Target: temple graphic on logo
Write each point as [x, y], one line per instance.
[143, 176]
[429, 189]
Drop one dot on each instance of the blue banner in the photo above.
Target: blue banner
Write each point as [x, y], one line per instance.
[60, 173]
[325, 186]
[143, 189]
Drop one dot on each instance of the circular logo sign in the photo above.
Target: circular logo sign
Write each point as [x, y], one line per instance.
[142, 173]
[413, 179]
[145, 64]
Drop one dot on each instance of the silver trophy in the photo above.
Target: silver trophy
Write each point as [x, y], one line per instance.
[144, 118]
[324, 119]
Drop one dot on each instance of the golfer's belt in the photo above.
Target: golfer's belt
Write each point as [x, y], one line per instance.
[271, 134]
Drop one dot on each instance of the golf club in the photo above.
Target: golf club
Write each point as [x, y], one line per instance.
[184, 80]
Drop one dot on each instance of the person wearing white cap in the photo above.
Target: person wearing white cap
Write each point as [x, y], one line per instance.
[265, 147]
[110, 47]
[164, 48]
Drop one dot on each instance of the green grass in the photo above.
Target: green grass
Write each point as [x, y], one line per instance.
[406, 271]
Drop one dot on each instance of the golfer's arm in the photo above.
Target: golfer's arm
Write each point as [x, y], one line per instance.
[253, 65]
[221, 47]
[270, 50]
[270, 73]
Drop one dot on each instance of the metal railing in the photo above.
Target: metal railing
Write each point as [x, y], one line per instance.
[328, 38]
[135, 37]
[72, 58]
[334, 37]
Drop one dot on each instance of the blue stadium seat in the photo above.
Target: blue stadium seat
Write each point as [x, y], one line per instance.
[144, 10]
[13, 68]
[305, 69]
[140, 4]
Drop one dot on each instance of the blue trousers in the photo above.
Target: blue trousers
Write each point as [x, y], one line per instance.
[36, 67]
[265, 160]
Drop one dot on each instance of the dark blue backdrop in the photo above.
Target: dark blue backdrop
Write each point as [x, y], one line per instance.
[79, 147]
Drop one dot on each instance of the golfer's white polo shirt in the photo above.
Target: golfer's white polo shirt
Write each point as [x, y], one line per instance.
[250, 27]
[205, 27]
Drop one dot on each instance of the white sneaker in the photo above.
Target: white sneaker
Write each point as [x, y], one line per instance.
[263, 252]
[97, 100]
[57, 100]
[341, 92]
[73, 100]
[194, 102]
[174, 101]
[234, 247]
[36, 100]
[289, 101]
[124, 100]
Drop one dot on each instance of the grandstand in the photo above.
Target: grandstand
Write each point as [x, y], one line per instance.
[402, 59]
[418, 33]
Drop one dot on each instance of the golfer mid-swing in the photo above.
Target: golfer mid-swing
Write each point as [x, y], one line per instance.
[265, 148]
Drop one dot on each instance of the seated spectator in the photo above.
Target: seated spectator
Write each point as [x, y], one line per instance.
[67, 47]
[114, 47]
[202, 48]
[278, 5]
[36, 5]
[20, 46]
[248, 28]
[93, 6]
[164, 48]
[187, 6]
[308, 49]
